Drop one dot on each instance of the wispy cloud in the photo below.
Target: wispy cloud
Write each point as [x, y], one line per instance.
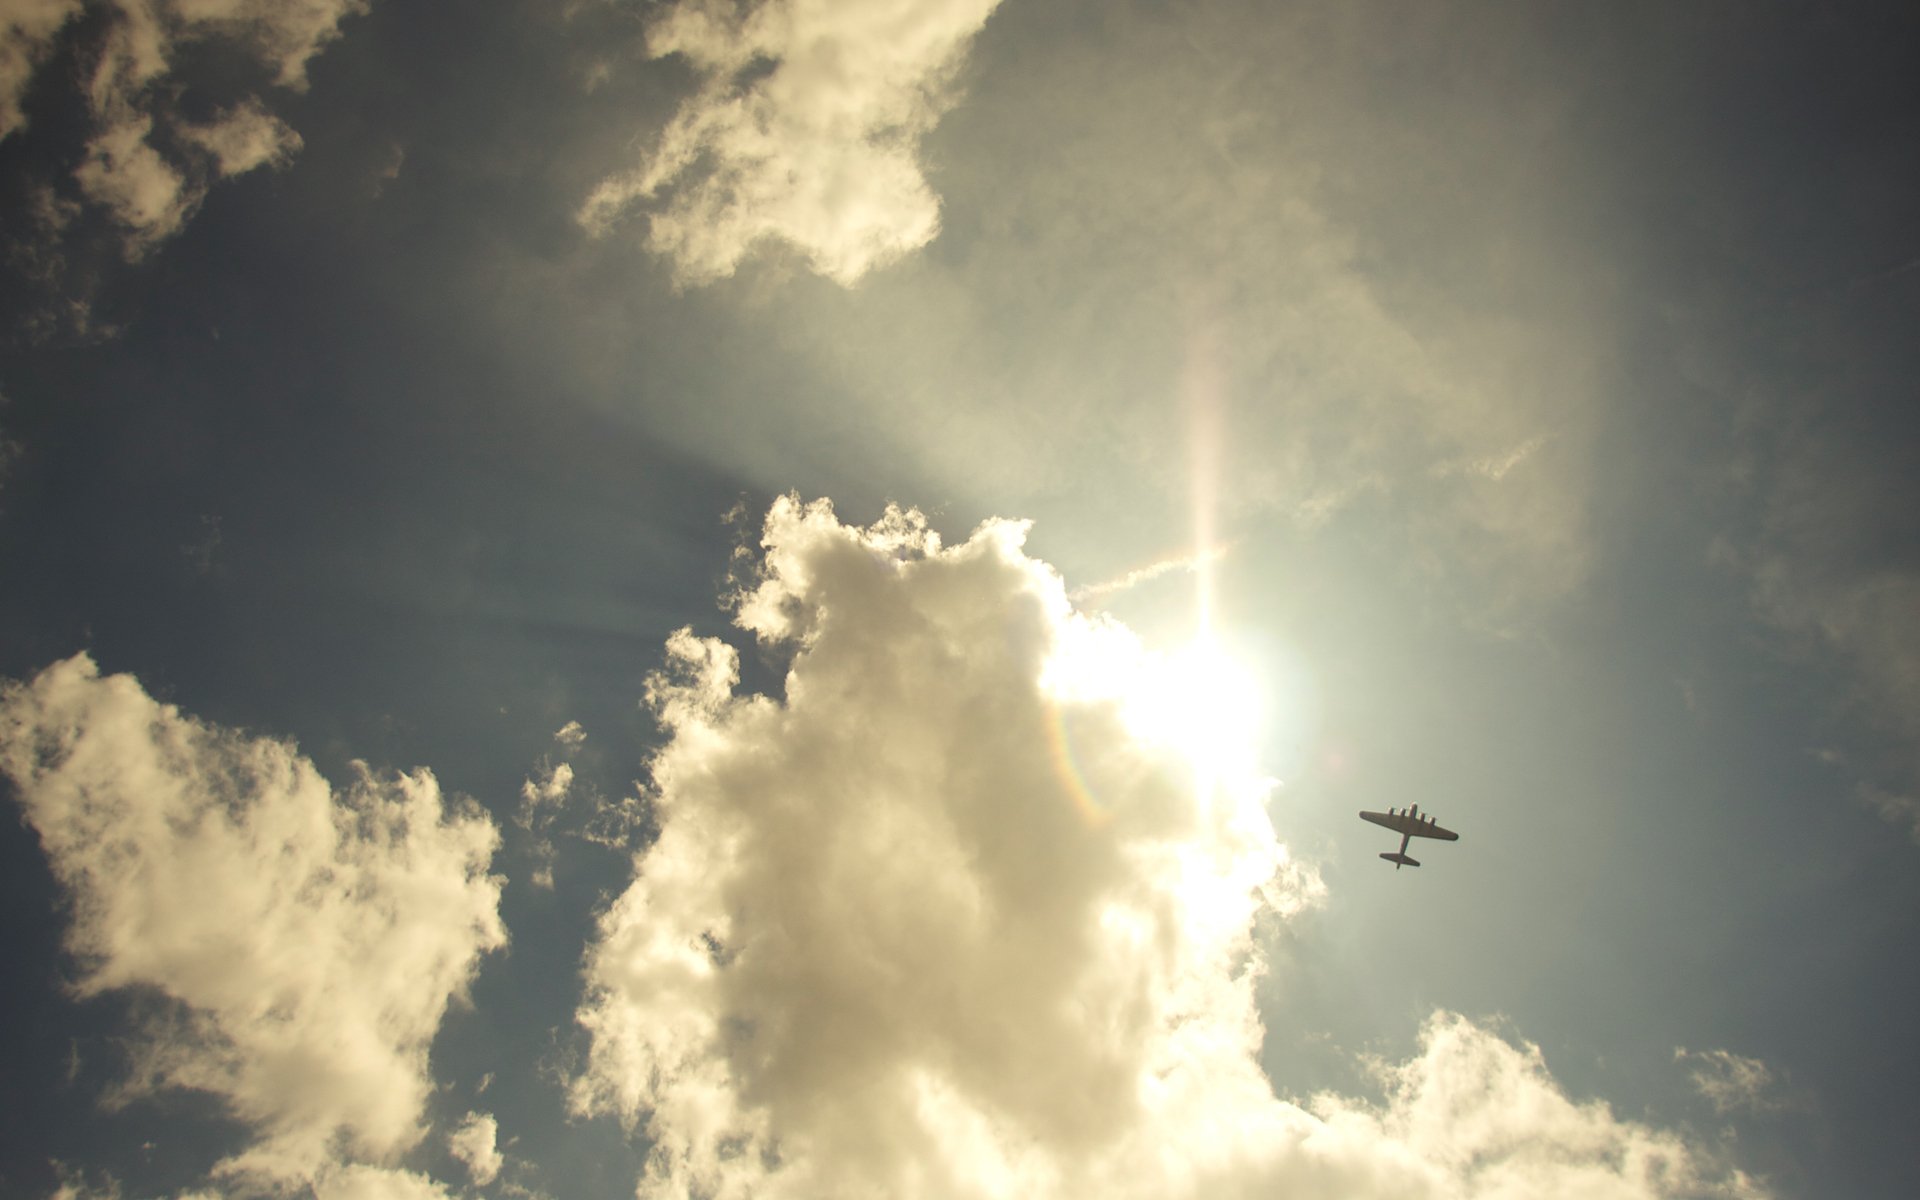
[805, 130]
[1147, 574]
[1491, 466]
[935, 923]
[1730, 1082]
[309, 939]
[1824, 569]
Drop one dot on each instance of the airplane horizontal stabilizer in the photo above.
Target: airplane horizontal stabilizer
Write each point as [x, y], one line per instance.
[1400, 860]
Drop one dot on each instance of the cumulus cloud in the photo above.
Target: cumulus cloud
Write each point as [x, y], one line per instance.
[548, 785]
[245, 137]
[1185, 236]
[473, 1143]
[1473, 1115]
[571, 736]
[358, 1181]
[145, 163]
[27, 30]
[956, 916]
[806, 130]
[285, 34]
[145, 193]
[307, 940]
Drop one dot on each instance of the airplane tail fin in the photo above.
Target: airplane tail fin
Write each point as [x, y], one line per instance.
[1400, 860]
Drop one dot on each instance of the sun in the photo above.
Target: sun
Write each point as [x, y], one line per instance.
[1203, 703]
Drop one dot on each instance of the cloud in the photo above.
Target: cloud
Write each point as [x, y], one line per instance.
[552, 807]
[359, 1181]
[143, 191]
[1493, 466]
[1276, 247]
[1730, 1082]
[1827, 566]
[27, 31]
[806, 130]
[147, 165]
[1473, 1115]
[284, 34]
[306, 940]
[245, 137]
[550, 789]
[949, 918]
[543, 797]
[474, 1144]
[1147, 574]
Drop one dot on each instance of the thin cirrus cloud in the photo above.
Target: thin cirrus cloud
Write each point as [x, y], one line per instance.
[308, 939]
[146, 164]
[944, 921]
[1730, 1082]
[1823, 567]
[805, 130]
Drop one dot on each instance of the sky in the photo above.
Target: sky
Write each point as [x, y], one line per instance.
[770, 600]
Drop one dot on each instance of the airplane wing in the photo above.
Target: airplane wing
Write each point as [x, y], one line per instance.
[1411, 826]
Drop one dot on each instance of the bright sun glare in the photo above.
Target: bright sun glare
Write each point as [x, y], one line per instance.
[1203, 703]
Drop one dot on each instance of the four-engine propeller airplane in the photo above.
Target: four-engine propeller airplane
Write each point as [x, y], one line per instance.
[1409, 825]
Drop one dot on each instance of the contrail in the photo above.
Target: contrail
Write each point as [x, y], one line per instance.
[1192, 562]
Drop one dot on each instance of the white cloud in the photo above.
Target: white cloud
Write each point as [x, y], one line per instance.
[543, 796]
[144, 192]
[474, 1144]
[283, 33]
[1186, 564]
[946, 920]
[359, 1181]
[806, 130]
[308, 940]
[548, 785]
[244, 137]
[1187, 245]
[27, 30]
[1473, 1115]
[1730, 1082]
[571, 736]
[134, 165]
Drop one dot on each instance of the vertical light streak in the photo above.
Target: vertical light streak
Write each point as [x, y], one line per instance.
[1201, 388]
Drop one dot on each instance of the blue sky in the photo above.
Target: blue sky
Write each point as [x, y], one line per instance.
[1527, 391]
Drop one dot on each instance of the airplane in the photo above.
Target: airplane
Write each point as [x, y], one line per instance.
[1409, 825]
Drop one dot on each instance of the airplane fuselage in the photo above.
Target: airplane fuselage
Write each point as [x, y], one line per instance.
[1409, 825]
